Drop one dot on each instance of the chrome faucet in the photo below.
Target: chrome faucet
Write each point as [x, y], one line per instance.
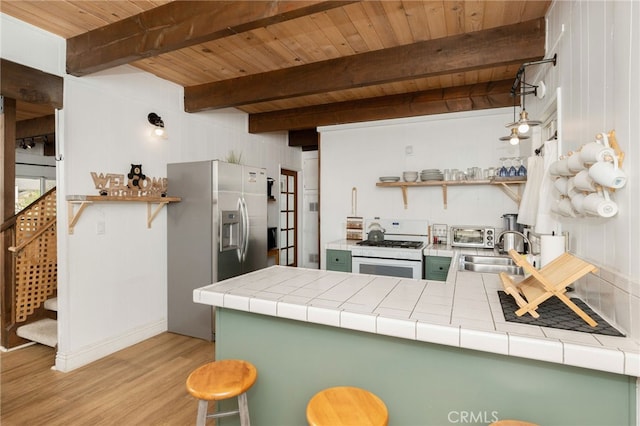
[524, 237]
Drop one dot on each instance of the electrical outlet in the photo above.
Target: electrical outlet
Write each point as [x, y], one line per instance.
[100, 228]
[408, 149]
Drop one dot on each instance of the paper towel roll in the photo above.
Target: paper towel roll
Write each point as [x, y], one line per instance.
[551, 246]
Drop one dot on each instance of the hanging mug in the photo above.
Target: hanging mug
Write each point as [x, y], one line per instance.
[597, 204]
[565, 208]
[561, 185]
[608, 174]
[594, 152]
[577, 201]
[575, 162]
[563, 167]
[584, 182]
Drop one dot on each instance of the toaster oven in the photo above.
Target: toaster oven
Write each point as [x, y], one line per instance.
[473, 236]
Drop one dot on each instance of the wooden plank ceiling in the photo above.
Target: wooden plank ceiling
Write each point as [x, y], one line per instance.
[296, 65]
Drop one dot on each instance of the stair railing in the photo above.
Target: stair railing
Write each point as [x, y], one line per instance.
[32, 276]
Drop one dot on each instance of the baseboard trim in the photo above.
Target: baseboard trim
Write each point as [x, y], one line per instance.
[66, 362]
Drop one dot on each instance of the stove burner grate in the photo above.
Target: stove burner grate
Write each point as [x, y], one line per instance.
[392, 244]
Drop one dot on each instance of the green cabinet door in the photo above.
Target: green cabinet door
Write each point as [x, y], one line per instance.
[338, 260]
[436, 267]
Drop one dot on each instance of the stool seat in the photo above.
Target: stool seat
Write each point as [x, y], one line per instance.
[220, 380]
[345, 405]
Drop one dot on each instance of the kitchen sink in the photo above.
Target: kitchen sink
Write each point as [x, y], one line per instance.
[489, 264]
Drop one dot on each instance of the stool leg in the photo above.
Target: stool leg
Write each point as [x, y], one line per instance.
[243, 407]
[201, 419]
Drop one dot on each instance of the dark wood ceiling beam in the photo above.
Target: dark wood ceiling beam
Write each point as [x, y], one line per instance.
[30, 85]
[36, 127]
[454, 99]
[177, 25]
[512, 44]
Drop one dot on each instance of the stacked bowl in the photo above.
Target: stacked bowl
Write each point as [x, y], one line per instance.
[410, 176]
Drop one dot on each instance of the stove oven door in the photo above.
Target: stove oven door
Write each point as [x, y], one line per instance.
[388, 267]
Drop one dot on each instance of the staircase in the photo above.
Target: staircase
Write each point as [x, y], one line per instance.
[44, 331]
[29, 283]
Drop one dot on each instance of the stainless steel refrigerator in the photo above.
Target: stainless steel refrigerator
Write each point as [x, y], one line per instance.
[217, 231]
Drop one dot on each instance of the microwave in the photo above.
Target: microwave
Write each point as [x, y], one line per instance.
[473, 236]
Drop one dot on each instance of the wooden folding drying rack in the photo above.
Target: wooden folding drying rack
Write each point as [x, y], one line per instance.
[551, 280]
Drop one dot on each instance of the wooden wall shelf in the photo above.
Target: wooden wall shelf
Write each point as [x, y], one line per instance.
[85, 200]
[505, 185]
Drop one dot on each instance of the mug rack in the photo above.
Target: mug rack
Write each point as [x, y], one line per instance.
[607, 140]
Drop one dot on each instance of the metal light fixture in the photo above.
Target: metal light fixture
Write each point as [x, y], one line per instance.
[514, 137]
[525, 123]
[158, 124]
[27, 143]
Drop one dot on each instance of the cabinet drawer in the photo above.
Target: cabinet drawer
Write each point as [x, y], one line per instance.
[339, 260]
[436, 267]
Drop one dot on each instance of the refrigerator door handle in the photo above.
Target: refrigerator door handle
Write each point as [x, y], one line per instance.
[245, 229]
[239, 250]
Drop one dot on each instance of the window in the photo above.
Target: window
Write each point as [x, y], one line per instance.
[29, 189]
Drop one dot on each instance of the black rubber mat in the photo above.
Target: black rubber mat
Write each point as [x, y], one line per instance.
[555, 314]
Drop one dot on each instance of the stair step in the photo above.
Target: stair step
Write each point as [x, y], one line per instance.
[51, 304]
[44, 331]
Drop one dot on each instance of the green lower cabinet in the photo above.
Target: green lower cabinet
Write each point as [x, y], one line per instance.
[422, 384]
[436, 267]
[338, 260]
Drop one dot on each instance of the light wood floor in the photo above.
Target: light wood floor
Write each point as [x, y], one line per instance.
[140, 385]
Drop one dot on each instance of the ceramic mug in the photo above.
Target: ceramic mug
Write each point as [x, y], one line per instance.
[565, 208]
[577, 201]
[571, 187]
[596, 204]
[584, 182]
[608, 174]
[561, 185]
[575, 162]
[563, 167]
[595, 151]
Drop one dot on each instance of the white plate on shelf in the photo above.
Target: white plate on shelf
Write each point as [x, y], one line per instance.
[389, 178]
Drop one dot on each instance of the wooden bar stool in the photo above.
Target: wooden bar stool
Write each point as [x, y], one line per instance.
[345, 405]
[220, 380]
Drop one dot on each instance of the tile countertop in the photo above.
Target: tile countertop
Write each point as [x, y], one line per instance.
[464, 311]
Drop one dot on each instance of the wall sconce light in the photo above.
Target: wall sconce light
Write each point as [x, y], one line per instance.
[524, 123]
[158, 125]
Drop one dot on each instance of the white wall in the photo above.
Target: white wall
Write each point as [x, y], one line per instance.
[598, 48]
[357, 155]
[112, 287]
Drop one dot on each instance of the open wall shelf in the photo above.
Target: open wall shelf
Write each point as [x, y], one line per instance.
[83, 201]
[506, 186]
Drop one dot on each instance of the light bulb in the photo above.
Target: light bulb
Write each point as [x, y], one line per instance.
[158, 131]
[523, 127]
[514, 140]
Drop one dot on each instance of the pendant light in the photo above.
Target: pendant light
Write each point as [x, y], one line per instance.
[524, 124]
[514, 137]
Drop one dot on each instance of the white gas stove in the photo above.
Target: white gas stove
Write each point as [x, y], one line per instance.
[399, 254]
